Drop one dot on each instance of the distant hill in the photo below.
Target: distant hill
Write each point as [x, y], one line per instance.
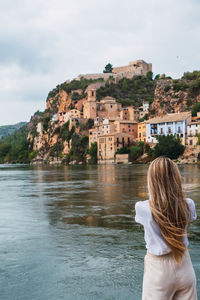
[8, 129]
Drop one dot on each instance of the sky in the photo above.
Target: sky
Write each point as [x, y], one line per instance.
[44, 43]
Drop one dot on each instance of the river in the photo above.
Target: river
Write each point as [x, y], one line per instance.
[68, 232]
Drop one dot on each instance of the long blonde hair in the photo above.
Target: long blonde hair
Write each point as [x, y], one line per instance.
[168, 205]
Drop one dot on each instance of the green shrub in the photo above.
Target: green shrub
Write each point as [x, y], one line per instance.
[136, 152]
[167, 88]
[93, 153]
[196, 109]
[123, 150]
[56, 149]
[168, 146]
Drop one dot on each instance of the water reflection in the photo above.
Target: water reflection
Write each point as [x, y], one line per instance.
[70, 231]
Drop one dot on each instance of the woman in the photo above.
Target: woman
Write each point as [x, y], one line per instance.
[166, 216]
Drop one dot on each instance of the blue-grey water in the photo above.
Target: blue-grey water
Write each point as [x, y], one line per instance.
[69, 232]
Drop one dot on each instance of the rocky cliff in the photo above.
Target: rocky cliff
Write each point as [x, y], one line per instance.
[172, 96]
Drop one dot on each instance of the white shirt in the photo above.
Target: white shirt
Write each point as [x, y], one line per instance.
[155, 242]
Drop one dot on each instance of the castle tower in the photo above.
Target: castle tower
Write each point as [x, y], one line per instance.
[91, 94]
[90, 106]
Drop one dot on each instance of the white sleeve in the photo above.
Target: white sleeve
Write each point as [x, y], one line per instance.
[139, 213]
[193, 214]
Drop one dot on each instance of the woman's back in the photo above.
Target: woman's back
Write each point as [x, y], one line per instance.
[166, 216]
[155, 243]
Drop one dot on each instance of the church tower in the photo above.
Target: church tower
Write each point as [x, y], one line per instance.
[90, 107]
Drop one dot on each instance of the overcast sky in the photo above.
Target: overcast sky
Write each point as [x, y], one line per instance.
[44, 43]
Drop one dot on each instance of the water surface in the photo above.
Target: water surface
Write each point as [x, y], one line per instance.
[69, 232]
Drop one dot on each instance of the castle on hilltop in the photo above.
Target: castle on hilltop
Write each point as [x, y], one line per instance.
[138, 67]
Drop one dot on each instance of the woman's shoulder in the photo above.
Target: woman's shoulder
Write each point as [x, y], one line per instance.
[142, 204]
[192, 208]
[142, 211]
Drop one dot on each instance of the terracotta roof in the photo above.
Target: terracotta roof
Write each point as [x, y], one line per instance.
[115, 133]
[127, 121]
[194, 123]
[170, 118]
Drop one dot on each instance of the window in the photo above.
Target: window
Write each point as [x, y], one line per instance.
[111, 106]
[161, 130]
[117, 142]
[191, 143]
[122, 142]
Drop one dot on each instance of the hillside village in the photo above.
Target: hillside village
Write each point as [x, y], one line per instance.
[109, 124]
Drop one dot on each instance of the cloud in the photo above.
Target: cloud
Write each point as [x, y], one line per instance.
[43, 43]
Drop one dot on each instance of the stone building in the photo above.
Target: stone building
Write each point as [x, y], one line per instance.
[129, 113]
[109, 108]
[141, 132]
[138, 67]
[90, 106]
[170, 124]
[127, 127]
[108, 144]
[65, 116]
[193, 130]
[143, 109]
[105, 108]
[106, 127]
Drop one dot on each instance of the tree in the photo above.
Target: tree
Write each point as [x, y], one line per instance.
[108, 68]
[93, 153]
[168, 146]
[157, 77]
[195, 109]
[123, 150]
[136, 151]
[124, 85]
[149, 75]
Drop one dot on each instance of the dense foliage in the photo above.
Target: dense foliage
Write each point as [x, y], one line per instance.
[196, 109]
[15, 148]
[72, 86]
[8, 129]
[79, 149]
[93, 153]
[193, 79]
[168, 146]
[129, 91]
[108, 68]
[135, 151]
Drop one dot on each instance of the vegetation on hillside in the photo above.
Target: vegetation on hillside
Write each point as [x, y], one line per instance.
[15, 148]
[79, 149]
[130, 91]
[8, 129]
[69, 87]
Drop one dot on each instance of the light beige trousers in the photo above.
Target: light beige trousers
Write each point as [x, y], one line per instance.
[164, 279]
